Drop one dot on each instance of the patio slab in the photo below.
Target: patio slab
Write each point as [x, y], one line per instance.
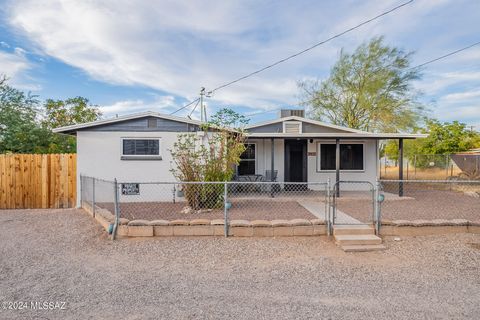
[317, 208]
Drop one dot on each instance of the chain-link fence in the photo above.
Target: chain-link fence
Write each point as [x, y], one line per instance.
[430, 200]
[345, 202]
[98, 198]
[353, 202]
[433, 167]
[214, 200]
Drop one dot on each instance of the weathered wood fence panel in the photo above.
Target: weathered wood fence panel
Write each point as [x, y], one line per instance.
[37, 181]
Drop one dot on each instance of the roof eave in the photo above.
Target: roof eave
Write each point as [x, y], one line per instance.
[73, 128]
[379, 136]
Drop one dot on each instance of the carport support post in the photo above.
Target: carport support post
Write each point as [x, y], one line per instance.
[272, 165]
[337, 166]
[327, 208]
[377, 205]
[400, 167]
[93, 197]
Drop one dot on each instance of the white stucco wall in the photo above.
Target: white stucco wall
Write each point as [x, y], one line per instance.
[314, 174]
[98, 155]
[368, 174]
[264, 152]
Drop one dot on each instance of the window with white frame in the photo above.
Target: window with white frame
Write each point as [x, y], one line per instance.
[351, 156]
[140, 148]
[247, 160]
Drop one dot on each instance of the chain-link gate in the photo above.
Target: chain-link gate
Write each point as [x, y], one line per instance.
[353, 203]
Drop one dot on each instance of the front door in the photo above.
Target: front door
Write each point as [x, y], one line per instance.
[296, 160]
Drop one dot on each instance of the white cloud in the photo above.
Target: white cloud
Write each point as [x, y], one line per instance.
[463, 96]
[15, 67]
[436, 82]
[163, 104]
[179, 46]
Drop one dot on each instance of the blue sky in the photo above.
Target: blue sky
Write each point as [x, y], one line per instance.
[131, 56]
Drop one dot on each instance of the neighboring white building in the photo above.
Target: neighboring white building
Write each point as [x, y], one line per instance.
[136, 148]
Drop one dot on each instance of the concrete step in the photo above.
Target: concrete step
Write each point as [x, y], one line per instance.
[353, 229]
[363, 247]
[357, 239]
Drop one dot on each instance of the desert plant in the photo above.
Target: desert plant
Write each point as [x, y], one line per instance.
[210, 155]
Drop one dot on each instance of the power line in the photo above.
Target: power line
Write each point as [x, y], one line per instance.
[446, 55]
[311, 47]
[185, 106]
[425, 63]
[191, 112]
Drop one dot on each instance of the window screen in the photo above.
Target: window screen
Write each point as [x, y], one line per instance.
[247, 161]
[141, 147]
[351, 156]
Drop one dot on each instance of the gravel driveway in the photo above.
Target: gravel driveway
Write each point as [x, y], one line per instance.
[62, 255]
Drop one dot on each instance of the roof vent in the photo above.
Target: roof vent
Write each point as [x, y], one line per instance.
[292, 112]
[292, 127]
[152, 123]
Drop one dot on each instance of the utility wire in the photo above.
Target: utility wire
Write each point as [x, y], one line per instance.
[191, 112]
[425, 63]
[185, 106]
[296, 54]
[311, 47]
[446, 55]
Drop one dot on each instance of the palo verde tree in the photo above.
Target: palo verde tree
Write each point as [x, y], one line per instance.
[369, 90]
[211, 156]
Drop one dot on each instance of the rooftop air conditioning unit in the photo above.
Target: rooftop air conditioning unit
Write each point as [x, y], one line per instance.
[292, 112]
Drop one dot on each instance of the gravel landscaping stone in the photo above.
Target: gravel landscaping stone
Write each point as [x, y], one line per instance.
[242, 209]
[64, 255]
[419, 204]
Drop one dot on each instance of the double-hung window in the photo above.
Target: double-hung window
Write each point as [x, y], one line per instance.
[247, 160]
[141, 149]
[351, 156]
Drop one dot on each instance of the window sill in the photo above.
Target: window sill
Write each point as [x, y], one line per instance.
[141, 158]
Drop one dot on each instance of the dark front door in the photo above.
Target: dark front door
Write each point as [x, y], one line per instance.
[296, 160]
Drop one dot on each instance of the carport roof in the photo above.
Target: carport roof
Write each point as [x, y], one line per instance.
[340, 135]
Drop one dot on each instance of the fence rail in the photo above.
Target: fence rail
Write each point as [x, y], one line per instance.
[37, 181]
[433, 167]
[344, 203]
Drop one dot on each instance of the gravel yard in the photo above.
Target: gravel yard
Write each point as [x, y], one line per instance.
[63, 255]
[421, 204]
[242, 209]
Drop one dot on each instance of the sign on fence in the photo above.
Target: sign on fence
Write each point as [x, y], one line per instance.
[37, 181]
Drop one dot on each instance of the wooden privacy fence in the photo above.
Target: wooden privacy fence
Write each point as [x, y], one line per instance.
[37, 181]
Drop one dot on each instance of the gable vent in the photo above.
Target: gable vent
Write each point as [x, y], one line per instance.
[152, 123]
[292, 127]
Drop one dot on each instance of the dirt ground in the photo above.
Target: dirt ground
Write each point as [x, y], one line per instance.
[64, 256]
[426, 204]
[242, 209]
[420, 173]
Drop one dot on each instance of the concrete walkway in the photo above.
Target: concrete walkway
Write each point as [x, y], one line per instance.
[317, 208]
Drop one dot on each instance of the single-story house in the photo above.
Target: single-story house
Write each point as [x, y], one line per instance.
[295, 149]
